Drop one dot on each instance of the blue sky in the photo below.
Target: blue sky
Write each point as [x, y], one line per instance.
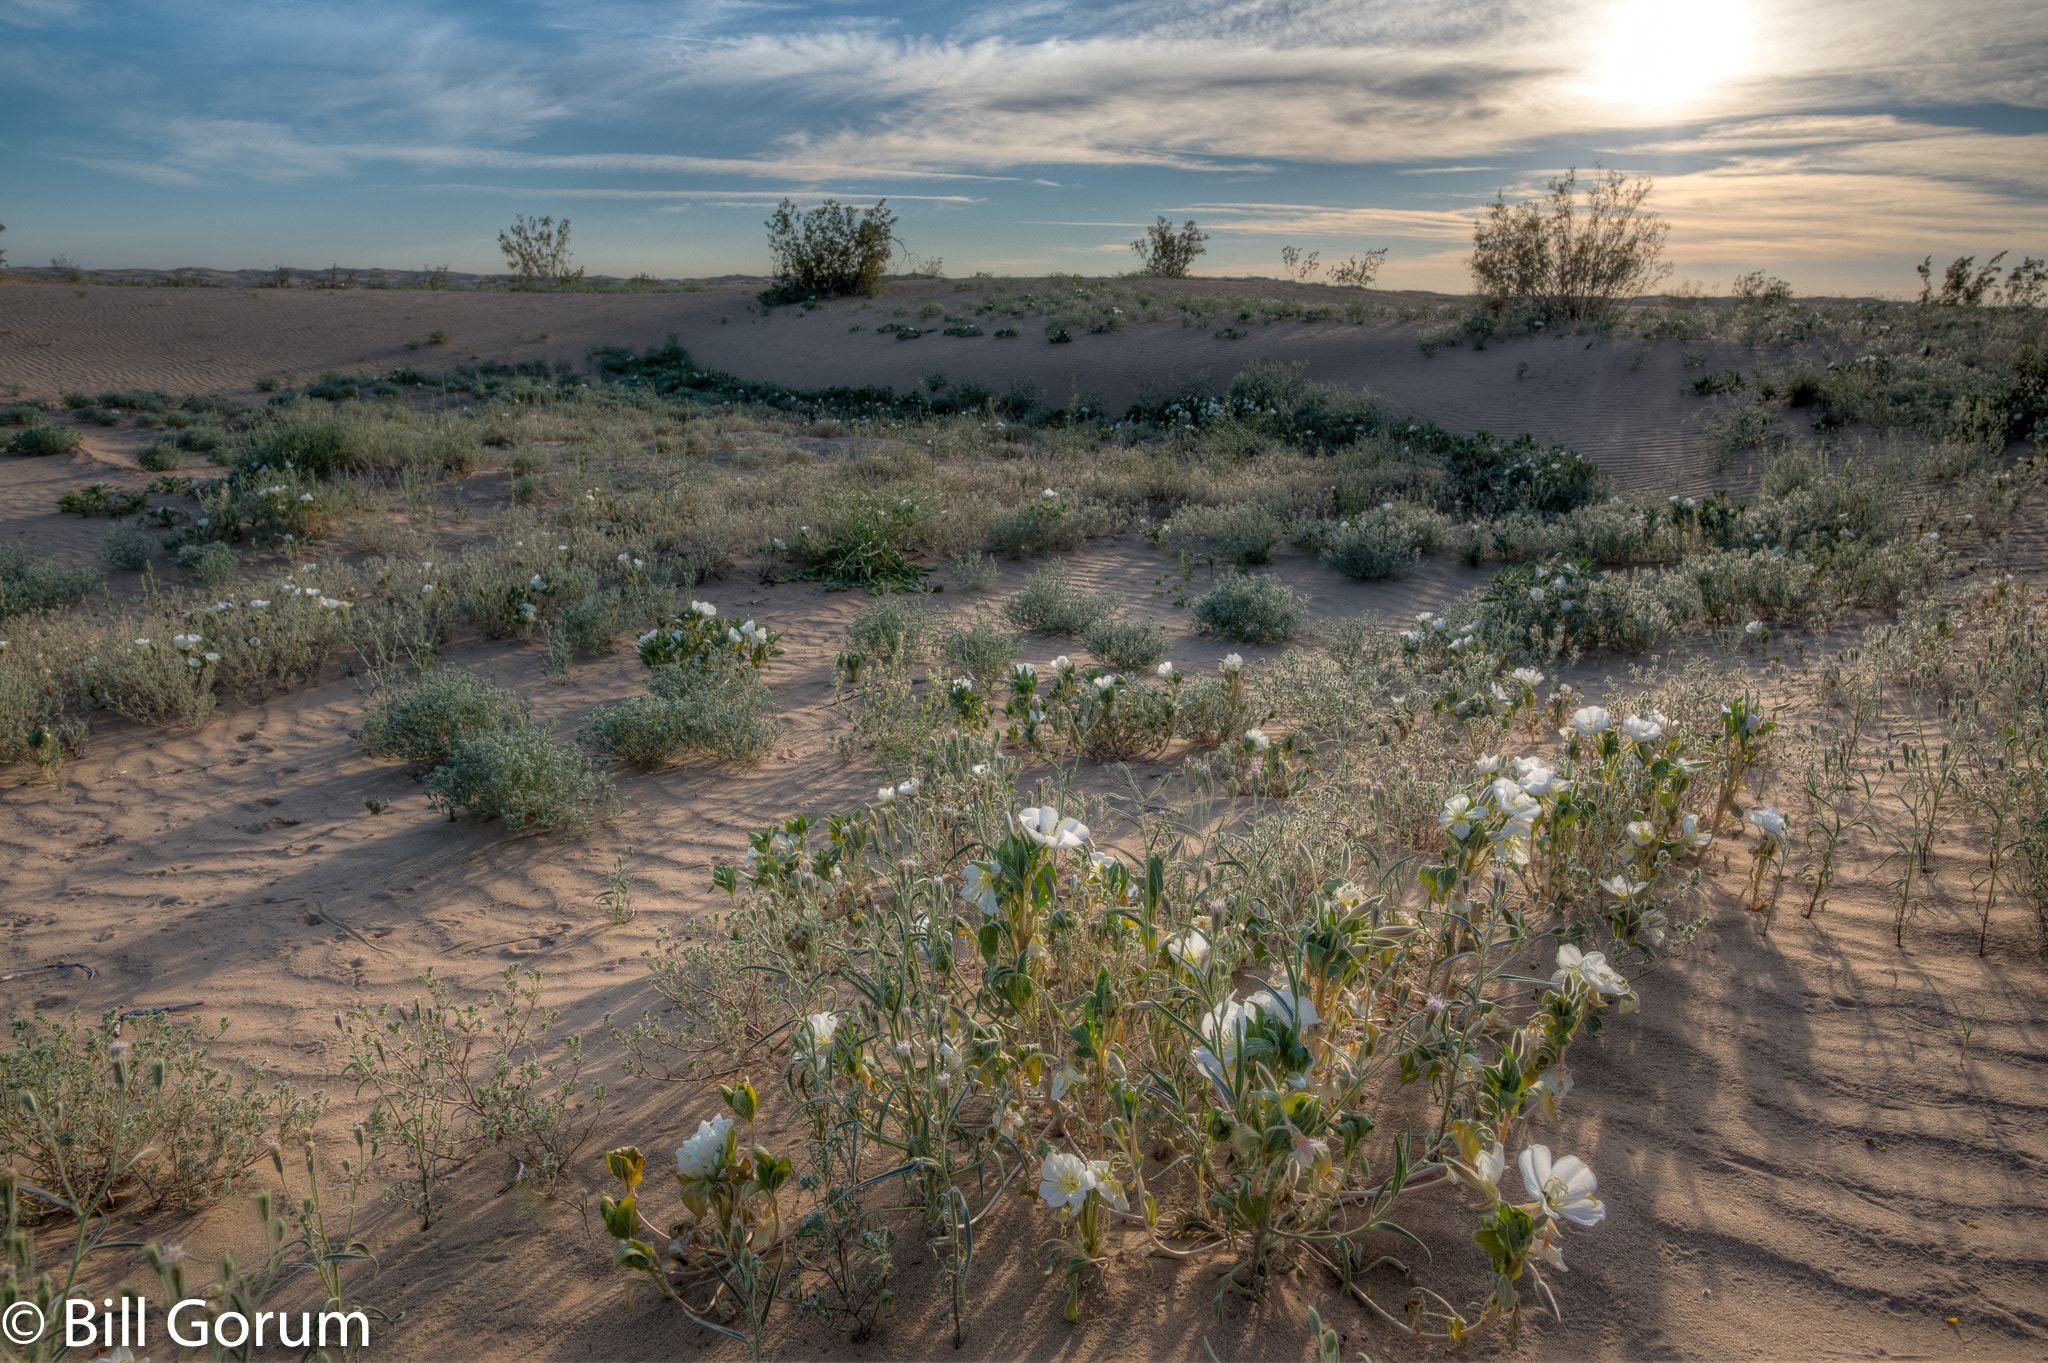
[1831, 142]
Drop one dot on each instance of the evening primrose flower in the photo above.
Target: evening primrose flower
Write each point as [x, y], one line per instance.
[1624, 889]
[814, 1039]
[1045, 827]
[1296, 1010]
[1061, 663]
[886, 795]
[1641, 833]
[1487, 766]
[1456, 817]
[699, 1156]
[1527, 676]
[1644, 728]
[1768, 821]
[1589, 968]
[1190, 948]
[1104, 1182]
[1564, 1186]
[1233, 663]
[1257, 738]
[1165, 671]
[1547, 1092]
[1537, 779]
[1486, 1168]
[1064, 1182]
[1695, 836]
[1591, 721]
[910, 787]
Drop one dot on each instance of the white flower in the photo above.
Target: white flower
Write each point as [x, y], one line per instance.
[1064, 1182]
[1538, 779]
[886, 795]
[1048, 496]
[814, 1040]
[1527, 676]
[1590, 968]
[699, 1156]
[1487, 1167]
[1622, 888]
[1753, 628]
[1298, 1011]
[1641, 832]
[1644, 728]
[1350, 896]
[1456, 816]
[978, 769]
[1257, 738]
[1591, 720]
[1536, 594]
[1045, 827]
[705, 609]
[1695, 836]
[1105, 1183]
[1190, 948]
[1024, 672]
[1164, 670]
[536, 581]
[1547, 1092]
[427, 590]
[909, 787]
[1565, 1187]
[1104, 683]
[1768, 820]
[260, 605]
[625, 558]
[1061, 663]
[1487, 766]
[978, 887]
[1233, 663]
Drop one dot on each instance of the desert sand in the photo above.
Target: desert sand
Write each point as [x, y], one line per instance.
[1800, 1160]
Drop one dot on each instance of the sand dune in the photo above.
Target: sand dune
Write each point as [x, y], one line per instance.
[1800, 1161]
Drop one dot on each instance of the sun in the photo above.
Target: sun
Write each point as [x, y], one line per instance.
[1662, 53]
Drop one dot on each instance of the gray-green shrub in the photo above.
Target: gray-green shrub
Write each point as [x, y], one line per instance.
[39, 440]
[126, 547]
[1126, 643]
[523, 776]
[39, 584]
[1251, 609]
[719, 709]
[1050, 603]
[979, 651]
[1385, 541]
[424, 723]
[215, 565]
[1242, 534]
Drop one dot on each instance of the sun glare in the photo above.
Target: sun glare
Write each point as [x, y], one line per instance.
[1663, 53]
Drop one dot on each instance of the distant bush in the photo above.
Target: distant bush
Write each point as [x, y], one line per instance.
[126, 547]
[39, 584]
[974, 572]
[1385, 541]
[215, 565]
[1048, 525]
[423, 724]
[1164, 253]
[980, 652]
[537, 249]
[160, 456]
[1243, 534]
[1561, 259]
[44, 440]
[715, 707]
[1251, 609]
[1050, 603]
[891, 630]
[830, 251]
[523, 776]
[1127, 644]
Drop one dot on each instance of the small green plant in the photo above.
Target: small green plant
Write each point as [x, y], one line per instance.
[979, 651]
[524, 777]
[1126, 643]
[617, 894]
[213, 565]
[864, 552]
[161, 456]
[891, 630]
[1251, 609]
[102, 498]
[423, 724]
[1385, 542]
[38, 440]
[712, 707]
[974, 572]
[1050, 603]
[126, 547]
[30, 584]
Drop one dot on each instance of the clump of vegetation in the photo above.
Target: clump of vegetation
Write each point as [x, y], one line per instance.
[44, 439]
[537, 250]
[175, 1125]
[1126, 643]
[1385, 542]
[714, 707]
[1050, 603]
[863, 550]
[834, 250]
[39, 584]
[126, 547]
[1164, 253]
[1561, 260]
[1251, 608]
[213, 564]
[422, 725]
[524, 777]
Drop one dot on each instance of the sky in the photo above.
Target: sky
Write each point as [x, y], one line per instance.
[1831, 142]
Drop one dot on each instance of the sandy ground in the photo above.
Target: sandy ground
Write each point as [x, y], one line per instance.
[1591, 392]
[1799, 1160]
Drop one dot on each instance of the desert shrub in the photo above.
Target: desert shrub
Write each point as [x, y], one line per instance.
[213, 564]
[1563, 260]
[1385, 542]
[423, 724]
[1736, 585]
[1126, 643]
[44, 440]
[1048, 525]
[523, 776]
[537, 250]
[979, 651]
[891, 630]
[126, 547]
[1884, 576]
[1243, 534]
[21, 414]
[38, 584]
[1164, 253]
[160, 456]
[1050, 603]
[192, 1134]
[1544, 610]
[1607, 533]
[831, 250]
[861, 549]
[1251, 609]
[974, 571]
[716, 707]
[200, 439]
[1489, 478]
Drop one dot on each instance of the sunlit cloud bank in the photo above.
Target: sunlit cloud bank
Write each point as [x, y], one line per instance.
[1842, 140]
